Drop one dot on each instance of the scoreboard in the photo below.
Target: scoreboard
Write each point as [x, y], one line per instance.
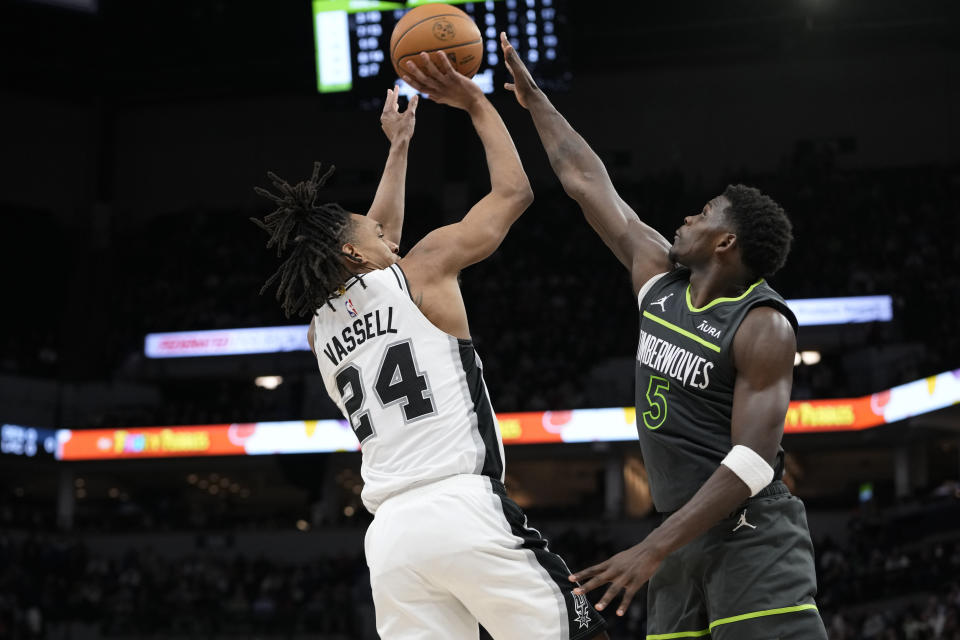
[352, 39]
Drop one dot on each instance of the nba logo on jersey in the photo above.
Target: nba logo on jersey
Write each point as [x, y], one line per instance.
[350, 308]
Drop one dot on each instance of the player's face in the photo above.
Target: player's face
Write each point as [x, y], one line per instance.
[698, 237]
[369, 245]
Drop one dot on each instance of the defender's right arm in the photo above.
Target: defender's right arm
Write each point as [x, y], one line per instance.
[639, 247]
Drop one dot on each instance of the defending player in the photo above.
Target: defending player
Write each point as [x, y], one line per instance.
[447, 548]
[732, 557]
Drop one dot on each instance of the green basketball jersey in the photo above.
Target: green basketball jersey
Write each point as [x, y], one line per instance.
[685, 380]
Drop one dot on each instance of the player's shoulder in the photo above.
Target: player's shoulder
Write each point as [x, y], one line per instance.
[765, 289]
[768, 319]
[391, 278]
[660, 281]
[765, 334]
[421, 276]
[764, 296]
[361, 289]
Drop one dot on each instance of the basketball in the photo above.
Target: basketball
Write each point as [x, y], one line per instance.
[437, 28]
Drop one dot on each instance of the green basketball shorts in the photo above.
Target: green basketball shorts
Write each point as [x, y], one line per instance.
[750, 577]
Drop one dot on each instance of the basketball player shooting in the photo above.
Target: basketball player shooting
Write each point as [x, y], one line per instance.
[447, 548]
[732, 557]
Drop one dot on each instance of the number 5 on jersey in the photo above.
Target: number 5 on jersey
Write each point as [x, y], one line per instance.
[654, 417]
[398, 381]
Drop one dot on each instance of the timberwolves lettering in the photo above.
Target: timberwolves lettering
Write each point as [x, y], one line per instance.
[366, 328]
[678, 363]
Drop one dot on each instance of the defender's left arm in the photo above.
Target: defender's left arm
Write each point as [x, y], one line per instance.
[763, 352]
[387, 207]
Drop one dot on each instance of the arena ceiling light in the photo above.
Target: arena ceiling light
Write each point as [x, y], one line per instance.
[268, 382]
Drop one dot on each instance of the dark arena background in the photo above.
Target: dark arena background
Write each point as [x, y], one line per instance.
[132, 500]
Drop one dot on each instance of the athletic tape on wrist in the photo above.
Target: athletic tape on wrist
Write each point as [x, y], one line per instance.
[749, 467]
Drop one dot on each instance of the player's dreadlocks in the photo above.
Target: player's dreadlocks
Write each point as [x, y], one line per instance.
[763, 229]
[315, 233]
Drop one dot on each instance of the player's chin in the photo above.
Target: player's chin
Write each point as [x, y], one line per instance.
[672, 254]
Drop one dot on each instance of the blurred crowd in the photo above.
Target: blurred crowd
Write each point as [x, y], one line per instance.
[551, 312]
[58, 588]
[893, 577]
[910, 547]
[930, 617]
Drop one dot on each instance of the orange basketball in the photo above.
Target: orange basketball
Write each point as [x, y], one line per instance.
[437, 28]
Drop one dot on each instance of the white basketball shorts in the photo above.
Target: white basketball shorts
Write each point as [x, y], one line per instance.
[458, 551]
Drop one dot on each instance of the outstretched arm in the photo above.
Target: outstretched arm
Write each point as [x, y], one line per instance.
[453, 247]
[387, 207]
[764, 349]
[636, 245]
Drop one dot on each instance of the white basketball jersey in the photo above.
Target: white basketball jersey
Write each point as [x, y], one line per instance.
[414, 395]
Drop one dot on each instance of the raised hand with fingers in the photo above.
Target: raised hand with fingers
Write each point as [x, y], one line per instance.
[435, 76]
[523, 86]
[397, 126]
[627, 572]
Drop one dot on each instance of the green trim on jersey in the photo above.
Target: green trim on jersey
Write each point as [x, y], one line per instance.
[743, 616]
[683, 332]
[681, 634]
[719, 300]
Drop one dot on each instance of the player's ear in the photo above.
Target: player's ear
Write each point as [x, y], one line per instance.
[727, 242]
[351, 253]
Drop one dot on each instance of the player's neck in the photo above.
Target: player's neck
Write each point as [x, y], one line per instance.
[717, 281]
[360, 269]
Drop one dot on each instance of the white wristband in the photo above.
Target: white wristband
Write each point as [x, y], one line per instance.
[749, 467]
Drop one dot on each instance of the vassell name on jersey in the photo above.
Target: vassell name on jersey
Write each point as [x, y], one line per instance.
[359, 331]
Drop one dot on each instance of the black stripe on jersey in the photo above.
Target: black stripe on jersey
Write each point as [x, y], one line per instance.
[394, 272]
[346, 287]
[357, 279]
[583, 620]
[486, 424]
[405, 282]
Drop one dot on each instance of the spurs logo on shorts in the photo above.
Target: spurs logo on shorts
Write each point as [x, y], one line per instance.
[582, 608]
